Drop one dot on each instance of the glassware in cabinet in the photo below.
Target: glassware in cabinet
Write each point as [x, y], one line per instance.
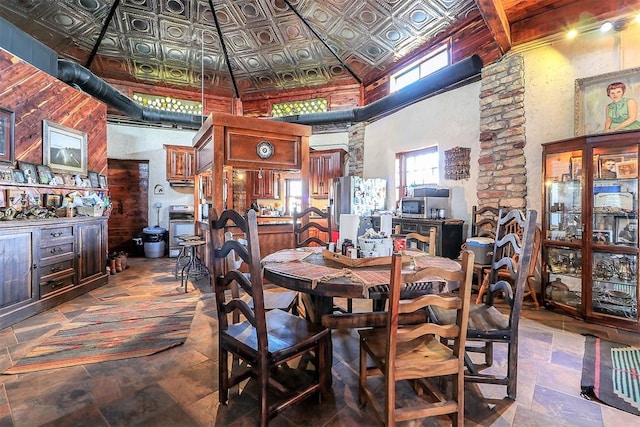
[563, 203]
[564, 281]
[615, 284]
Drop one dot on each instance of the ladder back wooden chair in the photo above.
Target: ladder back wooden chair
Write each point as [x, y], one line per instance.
[274, 299]
[414, 353]
[380, 294]
[484, 222]
[306, 232]
[513, 254]
[259, 342]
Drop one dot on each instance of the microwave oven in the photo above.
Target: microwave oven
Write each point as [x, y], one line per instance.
[414, 207]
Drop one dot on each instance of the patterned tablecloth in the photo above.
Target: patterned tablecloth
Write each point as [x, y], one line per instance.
[292, 263]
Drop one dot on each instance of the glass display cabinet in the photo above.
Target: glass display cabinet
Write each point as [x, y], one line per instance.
[590, 223]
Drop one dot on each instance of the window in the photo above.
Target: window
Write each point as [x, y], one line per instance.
[292, 108]
[433, 61]
[417, 167]
[294, 195]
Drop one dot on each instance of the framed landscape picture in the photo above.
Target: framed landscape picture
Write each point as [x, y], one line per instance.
[64, 149]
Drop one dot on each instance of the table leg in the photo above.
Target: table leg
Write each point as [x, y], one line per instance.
[321, 306]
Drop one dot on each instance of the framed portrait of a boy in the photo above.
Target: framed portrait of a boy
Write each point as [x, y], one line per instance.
[606, 103]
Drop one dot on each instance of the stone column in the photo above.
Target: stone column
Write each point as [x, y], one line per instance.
[355, 162]
[502, 179]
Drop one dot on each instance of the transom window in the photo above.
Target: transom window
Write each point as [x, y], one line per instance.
[284, 109]
[417, 167]
[433, 61]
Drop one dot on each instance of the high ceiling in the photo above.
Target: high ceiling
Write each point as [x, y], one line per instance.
[276, 45]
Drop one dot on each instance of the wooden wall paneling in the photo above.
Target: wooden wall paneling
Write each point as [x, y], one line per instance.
[36, 96]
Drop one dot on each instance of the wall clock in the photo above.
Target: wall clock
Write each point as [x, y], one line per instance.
[265, 150]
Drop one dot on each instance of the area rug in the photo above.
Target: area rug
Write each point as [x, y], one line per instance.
[117, 329]
[611, 374]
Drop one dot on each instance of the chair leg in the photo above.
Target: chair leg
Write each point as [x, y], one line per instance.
[483, 287]
[362, 382]
[263, 378]
[223, 376]
[512, 369]
[488, 353]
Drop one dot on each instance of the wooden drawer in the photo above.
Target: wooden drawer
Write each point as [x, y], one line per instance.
[54, 249]
[56, 269]
[56, 282]
[54, 233]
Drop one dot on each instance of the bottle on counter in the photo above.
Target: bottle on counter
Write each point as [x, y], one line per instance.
[346, 244]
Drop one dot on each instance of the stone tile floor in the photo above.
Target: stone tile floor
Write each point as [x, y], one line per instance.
[179, 387]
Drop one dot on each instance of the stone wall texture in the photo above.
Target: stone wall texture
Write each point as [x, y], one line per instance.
[502, 178]
[355, 161]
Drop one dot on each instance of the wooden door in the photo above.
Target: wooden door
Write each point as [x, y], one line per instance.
[129, 190]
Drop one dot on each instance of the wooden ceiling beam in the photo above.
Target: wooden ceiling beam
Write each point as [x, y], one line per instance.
[556, 20]
[496, 19]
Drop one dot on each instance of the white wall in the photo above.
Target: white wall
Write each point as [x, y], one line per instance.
[452, 119]
[550, 75]
[143, 143]
[448, 120]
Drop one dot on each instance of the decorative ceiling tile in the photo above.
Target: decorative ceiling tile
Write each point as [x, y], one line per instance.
[270, 47]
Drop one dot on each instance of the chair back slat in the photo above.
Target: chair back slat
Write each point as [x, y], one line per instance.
[302, 225]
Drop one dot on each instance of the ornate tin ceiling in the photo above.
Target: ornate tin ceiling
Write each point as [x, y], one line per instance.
[276, 45]
[272, 45]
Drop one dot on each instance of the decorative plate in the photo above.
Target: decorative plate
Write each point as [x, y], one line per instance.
[265, 150]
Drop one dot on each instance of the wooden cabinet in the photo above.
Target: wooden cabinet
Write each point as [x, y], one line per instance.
[47, 262]
[324, 166]
[590, 243]
[264, 184]
[16, 275]
[448, 232]
[180, 164]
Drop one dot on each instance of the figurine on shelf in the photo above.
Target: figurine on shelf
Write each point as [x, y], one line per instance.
[78, 180]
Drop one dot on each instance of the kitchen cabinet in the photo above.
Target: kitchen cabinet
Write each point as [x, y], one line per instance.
[180, 164]
[47, 262]
[323, 167]
[448, 232]
[590, 228]
[264, 184]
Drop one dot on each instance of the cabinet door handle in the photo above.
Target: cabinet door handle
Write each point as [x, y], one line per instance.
[56, 233]
[55, 269]
[56, 250]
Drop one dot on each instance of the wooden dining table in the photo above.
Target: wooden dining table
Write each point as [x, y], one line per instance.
[325, 276]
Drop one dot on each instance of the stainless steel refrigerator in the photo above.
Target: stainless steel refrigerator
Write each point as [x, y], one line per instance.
[355, 195]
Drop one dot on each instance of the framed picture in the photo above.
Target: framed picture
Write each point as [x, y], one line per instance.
[7, 135]
[67, 178]
[3, 198]
[64, 149]
[103, 181]
[30, 172]
[18, 176]
[6, 175]
[602, 236]
[627, 168]
[608, 168]
[51, 200]
[576, 168]
[45, 175]
[93, 179]
[595, 97]
[626, 231]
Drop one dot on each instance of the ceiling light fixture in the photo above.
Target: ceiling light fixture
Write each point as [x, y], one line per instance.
[606, 27]
[572, 33]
